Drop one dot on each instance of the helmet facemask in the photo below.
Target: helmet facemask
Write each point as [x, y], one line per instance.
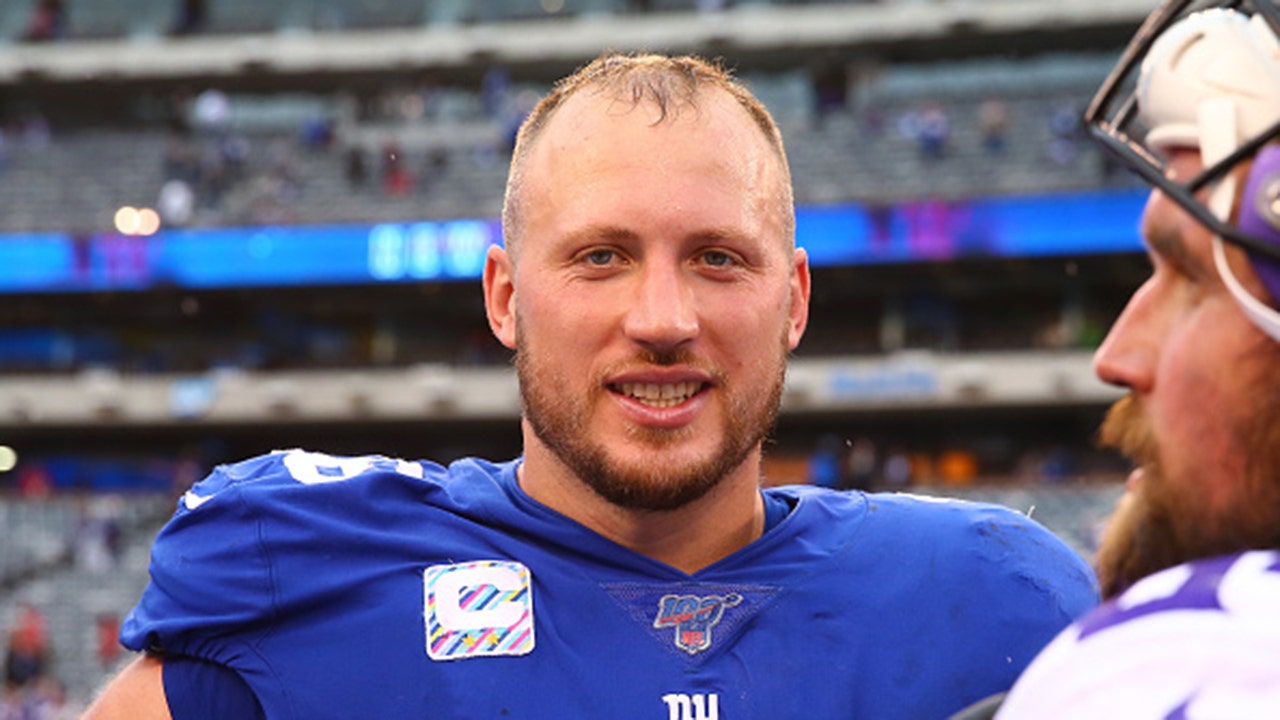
[1206, 75]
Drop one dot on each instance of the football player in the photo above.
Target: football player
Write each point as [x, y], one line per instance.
[1189, 559]
[628, 564]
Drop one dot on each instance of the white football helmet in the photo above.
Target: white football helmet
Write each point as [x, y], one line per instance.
[1205, 74]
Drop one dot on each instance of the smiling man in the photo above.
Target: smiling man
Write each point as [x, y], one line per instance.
[628, 565]
[659, 292]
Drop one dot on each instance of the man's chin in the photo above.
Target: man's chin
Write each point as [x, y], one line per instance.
[1116, 560]
[1141, 538]
[643, 489]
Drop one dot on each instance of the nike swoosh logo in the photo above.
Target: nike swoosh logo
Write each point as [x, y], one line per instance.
[193, 501]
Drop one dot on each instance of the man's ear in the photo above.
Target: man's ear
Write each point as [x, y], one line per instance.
[500, 295]
[799, 319]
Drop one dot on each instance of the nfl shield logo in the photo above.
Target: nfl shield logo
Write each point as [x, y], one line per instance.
[693, 617]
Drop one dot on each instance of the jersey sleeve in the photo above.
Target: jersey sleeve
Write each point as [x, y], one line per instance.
[210, 570]
[244, 549]
[1023, 587]
[196, 689]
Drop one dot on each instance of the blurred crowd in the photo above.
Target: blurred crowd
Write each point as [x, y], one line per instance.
[32, 690]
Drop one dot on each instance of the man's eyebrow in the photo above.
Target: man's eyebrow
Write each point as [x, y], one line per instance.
[600, 233]
[713, 236]
[613, 233]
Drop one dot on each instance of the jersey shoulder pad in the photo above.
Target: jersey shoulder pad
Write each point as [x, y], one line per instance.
[292, 468]
[213, 565]
[991, 544]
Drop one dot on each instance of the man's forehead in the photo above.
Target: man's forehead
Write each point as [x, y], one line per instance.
[604, 128]
[609, 106]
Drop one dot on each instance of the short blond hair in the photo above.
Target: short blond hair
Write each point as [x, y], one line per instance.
[669, 83]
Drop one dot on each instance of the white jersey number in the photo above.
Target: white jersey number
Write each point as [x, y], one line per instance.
[311, 468]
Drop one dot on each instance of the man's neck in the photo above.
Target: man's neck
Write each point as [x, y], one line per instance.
[689, 538]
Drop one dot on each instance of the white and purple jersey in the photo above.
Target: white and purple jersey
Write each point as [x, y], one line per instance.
[1199, 640]
[368, 587]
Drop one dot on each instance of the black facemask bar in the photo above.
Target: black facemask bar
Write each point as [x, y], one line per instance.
[1113, 120]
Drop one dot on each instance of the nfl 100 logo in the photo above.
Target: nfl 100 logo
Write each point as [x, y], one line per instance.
[693, 617]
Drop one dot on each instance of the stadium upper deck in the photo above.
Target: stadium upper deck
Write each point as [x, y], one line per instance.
[98, 123]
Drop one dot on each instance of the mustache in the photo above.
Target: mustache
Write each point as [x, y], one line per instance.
[670, 357]
[1127, 429]
[648, 358]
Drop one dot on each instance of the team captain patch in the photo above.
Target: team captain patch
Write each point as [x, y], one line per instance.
[478, 609]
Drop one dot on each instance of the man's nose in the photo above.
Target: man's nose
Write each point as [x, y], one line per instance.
[663, 314]
[1127, 357]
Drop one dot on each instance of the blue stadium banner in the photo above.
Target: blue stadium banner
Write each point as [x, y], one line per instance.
[941, 230]
[846, 234]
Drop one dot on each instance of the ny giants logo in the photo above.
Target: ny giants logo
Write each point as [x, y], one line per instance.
[681, 706]
[693, 617]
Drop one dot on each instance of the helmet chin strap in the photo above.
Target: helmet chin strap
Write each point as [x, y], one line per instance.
[1219, 137]
[1267, 319]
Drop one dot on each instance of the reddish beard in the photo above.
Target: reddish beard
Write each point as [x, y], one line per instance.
[1161, 523]
[560, 422]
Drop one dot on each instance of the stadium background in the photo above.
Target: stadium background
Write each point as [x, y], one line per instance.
[231, 226]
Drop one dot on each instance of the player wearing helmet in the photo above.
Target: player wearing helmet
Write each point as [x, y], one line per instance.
[1190, 559]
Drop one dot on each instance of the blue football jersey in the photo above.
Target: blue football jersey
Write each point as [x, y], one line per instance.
[368, 587]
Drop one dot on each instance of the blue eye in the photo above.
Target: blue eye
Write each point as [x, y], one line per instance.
[600, 257]
[715, 258]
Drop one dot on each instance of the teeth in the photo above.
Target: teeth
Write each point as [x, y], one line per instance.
[661, 396]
